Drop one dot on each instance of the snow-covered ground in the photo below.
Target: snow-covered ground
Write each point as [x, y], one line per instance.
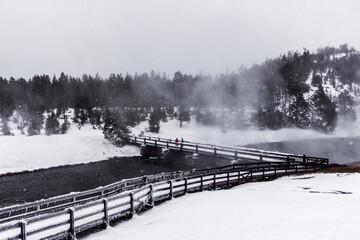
[316, 206]
[19, 152]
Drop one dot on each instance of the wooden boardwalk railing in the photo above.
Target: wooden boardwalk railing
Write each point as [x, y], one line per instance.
[100, 206]
[237, 153]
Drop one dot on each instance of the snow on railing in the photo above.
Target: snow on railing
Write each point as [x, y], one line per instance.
[236, 153]
[68, 222]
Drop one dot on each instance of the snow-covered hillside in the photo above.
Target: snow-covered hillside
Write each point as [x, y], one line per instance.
[314, 206]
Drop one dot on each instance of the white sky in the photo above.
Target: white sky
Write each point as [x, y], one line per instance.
[105, 36]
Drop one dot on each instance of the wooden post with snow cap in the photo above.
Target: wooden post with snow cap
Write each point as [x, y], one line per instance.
[228, 180]
[236, 155]
[135, 140]
[214, 184]
[151, 195]
[132, 209]
[106, 212]
[261, 157]
[186, 185]
[171, 187]
[72, 223]
[304, 158]
[23, 229]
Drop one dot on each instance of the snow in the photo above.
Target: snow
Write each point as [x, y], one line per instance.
[314, 206]
[19, 152]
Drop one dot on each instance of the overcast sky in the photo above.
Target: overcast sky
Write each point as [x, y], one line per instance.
[116, 36]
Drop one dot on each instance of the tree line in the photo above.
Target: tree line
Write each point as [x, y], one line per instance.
[278, 91]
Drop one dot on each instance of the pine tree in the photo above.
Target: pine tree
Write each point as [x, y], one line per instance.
[5, 129]
[325, 116]
[52, 125]
[346, 106]
[183, 114]
[115, 129]
[154, 120]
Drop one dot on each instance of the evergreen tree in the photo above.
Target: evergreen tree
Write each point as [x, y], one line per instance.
[52, 125]
[65, 125]
[115, 129]
[35, 123]
[154, 120]
[346, 106]
[183, 114]
[325, 111]
[5, 129]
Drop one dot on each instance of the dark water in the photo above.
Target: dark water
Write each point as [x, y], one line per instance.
[338, 150]
[40, 184]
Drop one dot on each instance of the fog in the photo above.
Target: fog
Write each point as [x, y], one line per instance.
[208, 36]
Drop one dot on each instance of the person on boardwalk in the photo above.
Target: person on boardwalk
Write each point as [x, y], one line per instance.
[176, 141]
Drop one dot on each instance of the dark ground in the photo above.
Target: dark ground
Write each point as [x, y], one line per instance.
[40, 184]
[46, 183]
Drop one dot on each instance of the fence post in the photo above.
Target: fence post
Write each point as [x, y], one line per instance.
[197, 148]
[263, 173]
[167, 144]
[201, 183]
[304, 158]
[171, 194]
[251, 174]
[145, 141]
[72, 223]
[214, 185]
[261, 157]
[236, 157]
[275, 171]
[132, 209]
[228, 180]
[186, 185]
[23, 229]
[181, 147]
[214, 151]
[155, 143]
[238, 177]
[135, 140]
[151, 200]
[106, 212]
[296, 168]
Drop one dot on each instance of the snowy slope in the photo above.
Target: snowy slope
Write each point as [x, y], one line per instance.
[317, 206]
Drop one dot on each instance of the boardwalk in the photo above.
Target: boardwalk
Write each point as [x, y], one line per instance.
[236, 153]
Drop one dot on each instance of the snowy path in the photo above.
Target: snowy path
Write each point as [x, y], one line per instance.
[301, 207]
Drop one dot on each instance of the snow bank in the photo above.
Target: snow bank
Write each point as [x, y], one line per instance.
[19, 152]
[322, 206]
